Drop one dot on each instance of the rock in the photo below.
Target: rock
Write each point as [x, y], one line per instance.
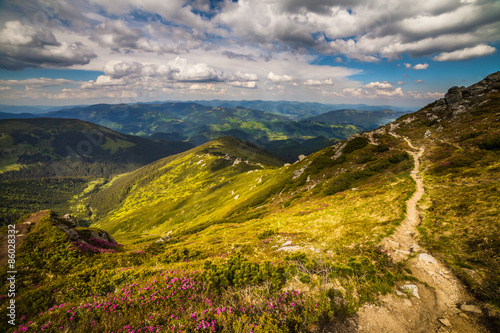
[286, 164]
[287, 243]
[406, 253]
[301, 157]
[298, 173]
[407, 302]
[413, 289]
[69, 218]
[441, 101]
[463, 315]
[237, 197]
[414, 248]
[102, 235]
[427, 134]
[440, 128]
[427, 258]
[237, 161]
[445, 322]
[289, 248]
[471, 308]
[164, 238]
[400, 293]
[454, 95]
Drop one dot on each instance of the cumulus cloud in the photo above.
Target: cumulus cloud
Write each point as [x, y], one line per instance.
[279, 78]
[419, 81]
[25, 46]
[467, 53]
[318, 82]
[421, 66]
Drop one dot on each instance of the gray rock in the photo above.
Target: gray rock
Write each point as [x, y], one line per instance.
[287, 243]
[289, 248]
[237, 161]
[68, 218]
[454, 95]
[413, 289]
[301, 157]
[427, 134]
[427, 258]
[470, 308]
[441, 101]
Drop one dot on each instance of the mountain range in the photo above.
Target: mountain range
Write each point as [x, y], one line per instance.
[393, 228]
[198, 124]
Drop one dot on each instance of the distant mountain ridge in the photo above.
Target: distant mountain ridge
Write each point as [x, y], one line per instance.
[367, 119]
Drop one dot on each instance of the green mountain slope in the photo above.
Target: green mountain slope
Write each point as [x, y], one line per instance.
[45, 162]
[218, 244]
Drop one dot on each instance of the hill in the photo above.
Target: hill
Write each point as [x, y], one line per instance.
[368, 120]
[44, 162]
[369, 234]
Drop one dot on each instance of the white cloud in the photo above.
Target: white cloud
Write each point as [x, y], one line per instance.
[379, 85]
[407, 66]
[421, 66]
[467, 53]
[419, 81]
[400, 82]
[279, 78]
[311, 82]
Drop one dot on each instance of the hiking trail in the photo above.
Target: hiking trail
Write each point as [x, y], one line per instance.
[415, 306]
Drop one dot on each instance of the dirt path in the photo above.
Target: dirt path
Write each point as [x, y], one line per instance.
[435, 307]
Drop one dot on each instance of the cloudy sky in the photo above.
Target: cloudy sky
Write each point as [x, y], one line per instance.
[407, 52]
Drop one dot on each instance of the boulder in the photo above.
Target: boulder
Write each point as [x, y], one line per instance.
[471, 308]
[454, 95]
[427, 258]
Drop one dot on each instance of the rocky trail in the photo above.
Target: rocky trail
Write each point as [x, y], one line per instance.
[438, 301]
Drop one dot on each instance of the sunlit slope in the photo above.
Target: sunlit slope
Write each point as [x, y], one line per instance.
[200, 186]
[227, 181]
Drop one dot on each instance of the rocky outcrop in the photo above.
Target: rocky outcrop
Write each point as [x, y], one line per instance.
[454, 95]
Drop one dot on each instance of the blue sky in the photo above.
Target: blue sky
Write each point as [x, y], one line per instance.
[55, 52]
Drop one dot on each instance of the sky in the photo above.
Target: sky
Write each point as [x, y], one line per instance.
[402, 53]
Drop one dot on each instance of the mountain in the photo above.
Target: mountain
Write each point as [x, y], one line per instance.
[199, 124]
[145, 119]
[44, 162]
[368, 120]
[397, 222]
[301, 110]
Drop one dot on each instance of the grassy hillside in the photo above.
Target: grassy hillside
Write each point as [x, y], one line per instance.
[45, 162]
[223, 238]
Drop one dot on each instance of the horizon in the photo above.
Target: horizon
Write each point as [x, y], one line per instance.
[403, 54]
